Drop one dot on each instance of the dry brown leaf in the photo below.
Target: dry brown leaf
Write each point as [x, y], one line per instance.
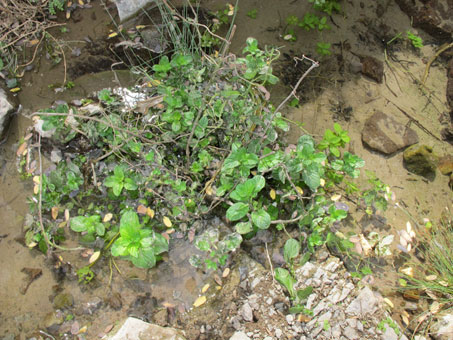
[54, 212]
[21, 149]
[167, 237]
[218, 280]
[405, 320]
[435, 307]
[141, 209]
[409, 271]
[200, 301]
[226, 272]
[108, 328]
[168, 305]
[191, 235]
[66, 215]
[389, 302]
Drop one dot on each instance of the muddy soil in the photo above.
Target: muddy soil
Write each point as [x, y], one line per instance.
[336, 91]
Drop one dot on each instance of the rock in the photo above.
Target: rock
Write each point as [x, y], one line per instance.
[152, 39]
[63, 300]
[351, 333]
[91, 306]
[431, 16]
[450, 84]
[128, 8]
[445, 165]
[384, 134]
[389, 334]
[8, 106]
[420, 159]
[365, 303]
[443, 328]
[239, 336]
[373, 68]
[53, 320]
[247, 312]
[135, 329]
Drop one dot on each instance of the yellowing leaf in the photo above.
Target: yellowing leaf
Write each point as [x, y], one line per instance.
[209, 191]
[323, 182]
[409, 271]
[205, 288]
[139, 27]
[200, 301]
[299, 190]
[218, 287]
[431, 277]
[443, 283]
[150, 212]
[272, 194]
[36, 179]
[83, 330]
[81, 3]
[405, 319]
[36, 189]
[94, 257]
[34, 42]
[335, 198]
[167, 222]
[14, 90]
[435, 307]
[68, 14]
[389, 302]
[113, 34]
[54, 213]
[107, 218]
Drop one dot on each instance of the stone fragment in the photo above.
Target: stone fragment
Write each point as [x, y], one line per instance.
[247, 312]
[351, 333]
[373, 68]
[8, 106]
[445, 165]
[63, 300]
[389, 334]
[420, 159]
[384, 134]
[239, 336]
[443, 328]
[135, 329]
[128, 8]
[365, 303]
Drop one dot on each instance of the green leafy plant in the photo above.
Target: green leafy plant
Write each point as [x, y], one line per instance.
[217, 249]
[55, 5]
[323, 49]
[91, 225]
[140, 245]
[119, 180]
[252, 13]
[416, 41]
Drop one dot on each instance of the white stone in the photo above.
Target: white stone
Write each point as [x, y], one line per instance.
[365, 303]
[239, 336]
[351, 333]
[443, 329]
[290, 319]
[128, 8]
[247, 312]
[135, 329]
[278, 333]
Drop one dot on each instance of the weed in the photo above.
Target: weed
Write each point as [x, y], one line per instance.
[252, 13]
[55, 5]
[323, 48]
[416, 41]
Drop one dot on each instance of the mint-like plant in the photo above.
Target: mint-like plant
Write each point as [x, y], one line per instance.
[140, 245]
[91, 225]
[120, 180]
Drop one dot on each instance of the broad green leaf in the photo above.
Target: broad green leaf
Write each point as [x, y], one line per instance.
[284, 278]
[119, 173]
[237, 211]
[119, 247]
[160, 244]
[79, 223]
[117, 188]
[130, 184]
[302, 294]
[261, 219]
[311, 177]
[110, 181]
[249, 189]
[145, 259]
[291, 250]
[244, 227]
[232, 241]
[100, 229]
[132, 249]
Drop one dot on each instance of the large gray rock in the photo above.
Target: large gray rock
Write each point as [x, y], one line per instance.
[8, 106]
[443, 328]
[239, 336]
[365, 303]
[135, 329]
[128, 8]
[384, 134]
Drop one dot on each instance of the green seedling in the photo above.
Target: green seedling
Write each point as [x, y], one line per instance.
[252, 13]
[90, 225]
[120, 180]
[416, 41]
[323, 49]
[140, 245]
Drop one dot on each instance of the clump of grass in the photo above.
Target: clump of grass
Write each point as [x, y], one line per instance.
[432, 275]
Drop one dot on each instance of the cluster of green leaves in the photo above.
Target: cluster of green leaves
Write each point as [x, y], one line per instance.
[312, 21]
[55, 5]
[207, 143]
[416, 41]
